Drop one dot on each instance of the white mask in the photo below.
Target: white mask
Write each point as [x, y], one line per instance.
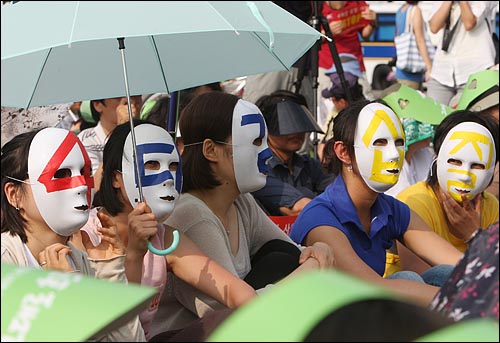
[465, 148]
[249, 160]
[379, 166]
[160, 187]
[60, 176]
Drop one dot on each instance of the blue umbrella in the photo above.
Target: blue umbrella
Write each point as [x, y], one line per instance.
[70, 50]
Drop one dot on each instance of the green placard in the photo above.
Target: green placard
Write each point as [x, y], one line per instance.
[287, 312]
[51, 306]
[407, 102]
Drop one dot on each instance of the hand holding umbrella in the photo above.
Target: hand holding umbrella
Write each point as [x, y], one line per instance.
[175, 241]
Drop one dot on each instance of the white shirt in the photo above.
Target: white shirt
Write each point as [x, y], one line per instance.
[469, 51]
[93, 139]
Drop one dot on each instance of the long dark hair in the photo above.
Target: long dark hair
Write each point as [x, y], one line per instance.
[108, 196]
[209, 115]
[14, 163]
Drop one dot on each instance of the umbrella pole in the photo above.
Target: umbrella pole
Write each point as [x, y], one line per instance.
[175, 242]
[121, 46]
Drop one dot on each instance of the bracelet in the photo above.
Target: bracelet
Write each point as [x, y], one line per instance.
[374, 24]
[472, 236]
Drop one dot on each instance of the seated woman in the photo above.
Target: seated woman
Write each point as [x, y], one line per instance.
[46, 193]
[453, 201]
[356, 219]
[139, 222]
[224, 159]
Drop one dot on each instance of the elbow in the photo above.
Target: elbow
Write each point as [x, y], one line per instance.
[433, 29]
[241, 298]
[470, 24]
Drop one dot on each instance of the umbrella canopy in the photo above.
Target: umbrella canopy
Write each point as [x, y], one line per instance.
[69, 51]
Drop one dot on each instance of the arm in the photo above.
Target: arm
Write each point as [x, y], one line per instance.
[348, 261]
[142, 225]
[278, 195]
[371, 16]
[427, 244]
[418, 29]
[410, 261]
[437, 21]
[468, 18]
[108, 257]
[296, 208]
[192, 266]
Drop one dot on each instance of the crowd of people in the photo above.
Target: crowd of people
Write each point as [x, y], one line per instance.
[401, 194]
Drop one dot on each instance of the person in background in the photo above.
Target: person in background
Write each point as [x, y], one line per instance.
[453, 201]
[358, 221]
[44, 202]
[338, 96]
[410, 14]
[418, 154]
[466, 46]
[346, 36]
[107, 113]
[293, 178]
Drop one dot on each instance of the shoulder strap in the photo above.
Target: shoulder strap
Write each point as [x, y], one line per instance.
[488, 24]
[409, 16]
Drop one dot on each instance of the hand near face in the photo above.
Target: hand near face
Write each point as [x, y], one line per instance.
[464, 218]
[110, 246]
[321, 252]
[142, 225]
[55, 257]
[122, 115]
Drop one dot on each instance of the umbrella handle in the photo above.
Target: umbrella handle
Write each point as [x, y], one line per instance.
[167, 251]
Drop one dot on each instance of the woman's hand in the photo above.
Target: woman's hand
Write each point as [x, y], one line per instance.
[55, 257]
[321, 252]
[110, 244]
[142, 225]
[427, 76]
[464, 218]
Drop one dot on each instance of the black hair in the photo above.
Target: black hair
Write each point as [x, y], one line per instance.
[452, 120]
[108, 196]
[95, 115]
[208, 115]
[344, 128]
[14, 163]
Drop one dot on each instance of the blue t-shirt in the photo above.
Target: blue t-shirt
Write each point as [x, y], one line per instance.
[334, 207]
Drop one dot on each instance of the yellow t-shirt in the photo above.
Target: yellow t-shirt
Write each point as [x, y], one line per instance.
[421, 199]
